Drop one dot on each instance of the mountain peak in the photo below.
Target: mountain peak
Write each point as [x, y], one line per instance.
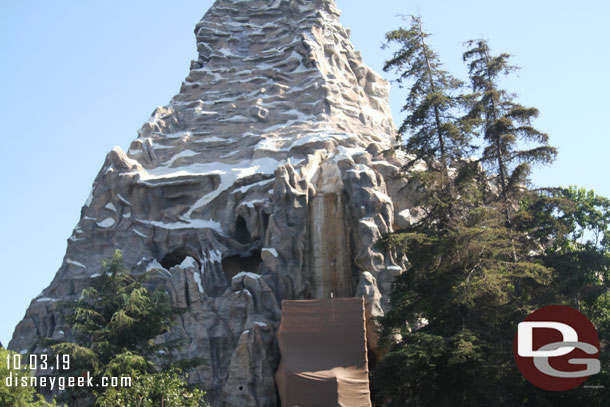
[271, 68]
[270, 171]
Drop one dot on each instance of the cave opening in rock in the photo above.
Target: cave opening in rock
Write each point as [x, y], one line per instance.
[232, 265]
[242, 234]
[176, 257]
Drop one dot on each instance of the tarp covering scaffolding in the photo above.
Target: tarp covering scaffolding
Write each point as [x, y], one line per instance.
[324, 357]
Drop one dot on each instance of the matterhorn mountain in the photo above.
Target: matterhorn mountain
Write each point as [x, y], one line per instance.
[271, 175]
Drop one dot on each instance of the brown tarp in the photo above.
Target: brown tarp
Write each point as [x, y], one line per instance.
[324, 358]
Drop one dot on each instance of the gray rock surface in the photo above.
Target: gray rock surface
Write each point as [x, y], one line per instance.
[269, 176]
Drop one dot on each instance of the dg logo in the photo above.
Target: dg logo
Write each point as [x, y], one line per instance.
[556, 348]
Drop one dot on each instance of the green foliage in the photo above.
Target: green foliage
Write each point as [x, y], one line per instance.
[17, 396]
[488, 251]
[438, 133]
[435, 134]
[115, 321]
[588, 217]
[453, 315]
[579, 251]
[467, 291]
[505, 123]
[572, 227]
[153, 390]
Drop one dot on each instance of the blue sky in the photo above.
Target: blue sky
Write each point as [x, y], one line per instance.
[77, 78]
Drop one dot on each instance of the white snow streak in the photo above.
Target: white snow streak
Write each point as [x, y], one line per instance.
[270, 250]
[106, 223]
[75, 263]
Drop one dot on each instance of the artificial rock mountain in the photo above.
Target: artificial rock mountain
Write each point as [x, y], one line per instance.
[269, 176]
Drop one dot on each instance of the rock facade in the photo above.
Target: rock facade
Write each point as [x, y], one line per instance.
[269, 176]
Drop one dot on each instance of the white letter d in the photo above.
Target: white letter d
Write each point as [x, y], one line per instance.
[525, 338]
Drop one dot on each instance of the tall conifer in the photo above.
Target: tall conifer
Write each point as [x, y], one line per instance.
[505, 123]
[435, 135]
[435, 130]
[450, 328]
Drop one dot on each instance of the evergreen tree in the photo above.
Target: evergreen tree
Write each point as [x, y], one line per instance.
[466, 294]
[435, 134]
[505, 124]
[572, 226]
[114, 322]
[454, 313]
[485, 257]
[434, 131]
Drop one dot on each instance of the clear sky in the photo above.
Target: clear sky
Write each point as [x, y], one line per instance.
[79, 77]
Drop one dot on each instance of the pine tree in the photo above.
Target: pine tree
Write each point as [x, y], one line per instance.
[433, 130]
[114, 322]
[435, 135]
[115, 319]
[505, 124]
[455, 311]
[483, 259]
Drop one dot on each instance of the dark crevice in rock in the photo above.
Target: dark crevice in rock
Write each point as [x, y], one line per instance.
[186, 293]
[265, 217]
[372, 358]
[176, 257]
[242, 234]
[232, 265]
